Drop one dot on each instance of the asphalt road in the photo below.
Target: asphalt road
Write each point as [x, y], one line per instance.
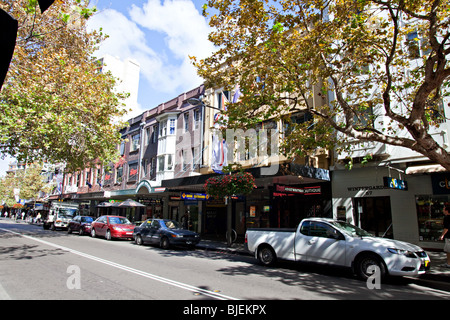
[52, 265]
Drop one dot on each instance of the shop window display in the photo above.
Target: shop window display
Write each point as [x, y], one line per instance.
[430, 216]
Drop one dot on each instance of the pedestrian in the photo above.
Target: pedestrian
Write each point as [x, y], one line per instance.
[446, 234]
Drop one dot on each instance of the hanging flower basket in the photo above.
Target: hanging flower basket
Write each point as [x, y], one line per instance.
[18, 206]
[240, 183]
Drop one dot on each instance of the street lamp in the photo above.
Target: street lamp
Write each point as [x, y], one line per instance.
[199, 102]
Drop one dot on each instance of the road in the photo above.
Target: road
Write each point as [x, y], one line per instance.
[52, 265]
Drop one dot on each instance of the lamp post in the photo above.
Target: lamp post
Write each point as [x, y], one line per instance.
[197, 102]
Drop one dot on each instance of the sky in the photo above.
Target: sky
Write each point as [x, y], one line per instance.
[158, 34]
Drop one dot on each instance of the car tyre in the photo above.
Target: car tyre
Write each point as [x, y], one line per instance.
[165, 244]
[69, 230]
[266, 256]
[364, 263]
[80, 231]
[139, 240]
[108, 235]
[93, 234]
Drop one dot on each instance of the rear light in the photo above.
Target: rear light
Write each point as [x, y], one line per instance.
[246, 240]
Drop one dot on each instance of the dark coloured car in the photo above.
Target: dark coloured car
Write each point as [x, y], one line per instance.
[165, 233]
[112, 227]
[80, 224]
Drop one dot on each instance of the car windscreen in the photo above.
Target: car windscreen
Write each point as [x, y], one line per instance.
[67, 212]
[351, 230]
[119, 220]
[86, 219]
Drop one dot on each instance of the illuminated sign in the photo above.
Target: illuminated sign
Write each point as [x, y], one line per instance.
[393, 183]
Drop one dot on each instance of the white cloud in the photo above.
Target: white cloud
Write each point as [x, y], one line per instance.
[175, 23]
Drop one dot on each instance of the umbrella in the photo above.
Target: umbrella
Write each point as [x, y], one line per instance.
[104, 204]
[128, 204]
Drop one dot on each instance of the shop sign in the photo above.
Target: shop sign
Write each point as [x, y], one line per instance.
[440, 183]
[252, 211]
[393, 183]
[194, 196]
[299, 190]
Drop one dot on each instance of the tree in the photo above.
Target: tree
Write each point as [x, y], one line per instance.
[366, 70]
[54, 104]
[25, 183]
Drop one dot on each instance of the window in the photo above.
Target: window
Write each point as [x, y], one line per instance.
[119, 174]
[222, 99]
[161, 163]
[122, 148]
[163, 128]
[417, 47]
[197, 119]
[183, 160]
[169, 162]
[186, 122]
[171, 126]
[318, 229]
[430, 214]
[148, 135]
[195, 158]
[154, 133]
[133, 172]
[152, 166]
[135, 142]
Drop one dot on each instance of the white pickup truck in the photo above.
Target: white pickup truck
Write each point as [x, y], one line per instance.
[333, 242]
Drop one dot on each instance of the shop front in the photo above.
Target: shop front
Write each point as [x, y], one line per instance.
[390, 203]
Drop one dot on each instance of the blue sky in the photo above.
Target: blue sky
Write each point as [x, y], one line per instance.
[159, 35]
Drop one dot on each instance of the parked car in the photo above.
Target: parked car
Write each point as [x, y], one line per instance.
[165, 233]
[80, 224]
[338, 243]
[112, 227]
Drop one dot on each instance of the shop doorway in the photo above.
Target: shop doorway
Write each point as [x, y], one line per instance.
[373, 214]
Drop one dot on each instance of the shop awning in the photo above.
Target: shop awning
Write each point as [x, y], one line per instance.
[425, 169]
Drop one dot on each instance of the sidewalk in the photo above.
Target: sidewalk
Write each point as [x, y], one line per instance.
[437, 271]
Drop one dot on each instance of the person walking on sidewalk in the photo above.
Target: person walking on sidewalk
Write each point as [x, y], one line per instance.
[446, 234]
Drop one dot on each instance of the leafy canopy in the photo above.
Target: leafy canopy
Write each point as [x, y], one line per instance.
[364, 70]
[54, 104]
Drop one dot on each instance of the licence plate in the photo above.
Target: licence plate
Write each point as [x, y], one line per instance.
[129, 232]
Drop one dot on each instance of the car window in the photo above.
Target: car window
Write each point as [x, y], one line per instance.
[304, 229]
[85, 219]
[318, 229]
[156, 224]
[146, 224]
[170, 224]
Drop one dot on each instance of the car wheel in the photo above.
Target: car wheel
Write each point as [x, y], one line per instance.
[364, 266]
[139, 240]
[108, 235]
[165, 244]
[266, 256]
[80, 231]
[69, 230]
[93, 235]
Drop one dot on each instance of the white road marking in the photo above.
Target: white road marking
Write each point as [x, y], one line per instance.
[132, 270]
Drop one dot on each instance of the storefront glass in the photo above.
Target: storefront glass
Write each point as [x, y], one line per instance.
[430, 216]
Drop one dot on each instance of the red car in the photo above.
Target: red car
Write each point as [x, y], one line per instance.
[112, 227]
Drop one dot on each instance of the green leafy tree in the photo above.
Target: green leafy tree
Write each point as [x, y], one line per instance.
[54, 104]
[366, 70]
